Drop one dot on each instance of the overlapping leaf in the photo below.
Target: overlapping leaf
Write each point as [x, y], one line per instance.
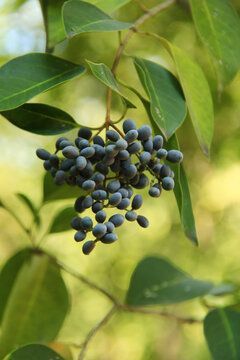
[218, 26]
[168, 107]
[104, 74]
[221, 329]
[156, 281]
[36, 306]
[40, 119]
[80, 16]
[108, 5]
[197, 94]
[33, 351]
[29, 75]
[61, 221]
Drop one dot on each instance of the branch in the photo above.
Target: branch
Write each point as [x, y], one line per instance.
[152, 12]
[159, 313]
[106, 318]
[144, 9]
[82, 279]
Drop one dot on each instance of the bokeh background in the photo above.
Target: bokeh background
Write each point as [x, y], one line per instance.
[214, 186]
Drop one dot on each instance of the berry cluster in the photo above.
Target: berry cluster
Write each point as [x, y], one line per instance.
[108, 172]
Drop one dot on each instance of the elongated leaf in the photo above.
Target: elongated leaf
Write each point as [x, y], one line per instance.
[156, 281]
[223, 289]
[218, 26]
[36, 306]
[181, 190]
[9, 274]
[34, 351]
[29, 75]
[80, 16]
[55, 32]
[31, 207]
[104, 74]
[108, 5]
[52, 192]
[168, 107]
[197, 94]
[40, 119]
[221, 329]
[61, 221]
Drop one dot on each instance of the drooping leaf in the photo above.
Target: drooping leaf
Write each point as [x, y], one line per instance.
[181, 190]
[40, 119]
[218, 26]
[223, 289]
[108, 5]
[36, 306]
[29, 75]
[9, 274]
[52, 192]
[55, 32]
[80, 16]
[31, 207]
[104, 74]
[168, 107]
[221, 329]
[197, 94]
[61, 221]
[156, 281]
[34, 351]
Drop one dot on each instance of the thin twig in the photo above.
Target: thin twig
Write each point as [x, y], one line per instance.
[152, 12]
[82, 279]
[144, 9]
[159, 313]
[106, 318]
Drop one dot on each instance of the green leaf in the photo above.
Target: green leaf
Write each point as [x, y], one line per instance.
[36, 306]
[40, 119]
[29, 75]
[34, 351]
[218, 26]
[182, 194]
[181, 190]
[55, 32]
[197, 94]
[61, 221]
[156, 281]
[8, 276]
[80, 16]
[108, 5]
[104, 74]
[31, 207]
[221, 329]
[223, 289]
[168, 107]
[52, 192]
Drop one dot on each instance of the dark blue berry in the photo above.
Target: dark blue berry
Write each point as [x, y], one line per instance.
[86, 223]
[87, 152]
[115, 199]
[113, 186]
[101, 216]
[131, 215]
[47, 165]
[43, 154]
[165, 171]
[162, 153]
[60, 177]
[174, 156]
[80, 236]
[110, 226]
[157, 142]
[99, 194]
[123, 204]
[134, 148]
[117, 220]
[98, 140]
[129, 125]
[99, 230]
[76, 223]
[137, 202]
[168, 183]
[81, 162]
[88, 246]
[144, 132]
[70, 152]
[67, 164]
[131, 136]
[97, 206]
[154, 192]
[121, 144]
[145, 157]
[54, 160]
[109, 238]
[78, 206]
[112, 135]
[85, 132]
[142, 221]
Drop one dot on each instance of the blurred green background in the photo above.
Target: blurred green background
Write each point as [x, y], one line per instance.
[214, 186]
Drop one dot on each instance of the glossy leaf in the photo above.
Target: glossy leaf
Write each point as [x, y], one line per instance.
[104, 74]
[61, 221]
[181, 190]
[197, 94]
[80, 16]
[31, 207]
[36, 306]
[29, 75]
[52, 192]
[155, 281]
[55, 32]
[9, 274]
[108, 5]
[221, 329]
[34, 351]
[218, 26]
[168, 107]
[40, 119]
